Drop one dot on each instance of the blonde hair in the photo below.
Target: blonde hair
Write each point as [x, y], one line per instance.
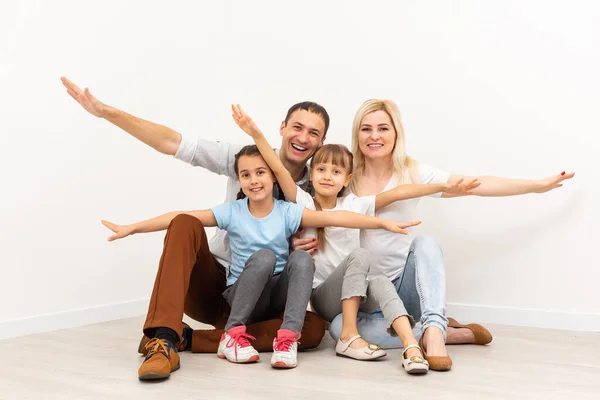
[336, 154]
[402, 162]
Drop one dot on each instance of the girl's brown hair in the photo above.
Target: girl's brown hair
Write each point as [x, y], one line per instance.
[336, 154]
[249, 150]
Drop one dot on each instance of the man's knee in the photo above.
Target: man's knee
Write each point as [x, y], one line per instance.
[312, 331]
[185, 222]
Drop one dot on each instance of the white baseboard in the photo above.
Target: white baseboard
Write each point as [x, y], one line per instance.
[72, 318]
[539, 318]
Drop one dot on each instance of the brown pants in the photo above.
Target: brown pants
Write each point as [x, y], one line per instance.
[190, 280]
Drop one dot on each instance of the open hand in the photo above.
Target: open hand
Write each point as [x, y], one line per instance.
[462, 188]
[553, 182]
[399, 227]
[244, 121]
[85, 98]
[120, 231]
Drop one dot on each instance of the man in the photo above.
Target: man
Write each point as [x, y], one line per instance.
[192, 272]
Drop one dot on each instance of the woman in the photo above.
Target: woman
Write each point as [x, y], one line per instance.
[414, 264]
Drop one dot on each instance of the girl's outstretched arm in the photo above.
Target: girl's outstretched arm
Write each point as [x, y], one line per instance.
[349, 219]
[286, 182]
[410, 191]
[157, 223]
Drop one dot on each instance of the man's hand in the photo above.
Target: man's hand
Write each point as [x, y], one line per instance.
[85, 98]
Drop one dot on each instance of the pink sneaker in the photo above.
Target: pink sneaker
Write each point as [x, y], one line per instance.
[235, 346]
[285, 349]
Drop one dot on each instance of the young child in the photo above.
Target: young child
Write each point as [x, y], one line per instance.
[264, 279]
[341, 265]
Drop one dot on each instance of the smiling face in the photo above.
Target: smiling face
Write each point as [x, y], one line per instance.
[376, 135]
[331, 170]
[301, 136]
[256, 178]
[329, 179]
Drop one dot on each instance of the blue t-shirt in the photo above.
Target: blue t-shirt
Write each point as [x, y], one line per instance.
[248, 234]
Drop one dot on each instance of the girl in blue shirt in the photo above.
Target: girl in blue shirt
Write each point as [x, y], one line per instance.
[264, 278]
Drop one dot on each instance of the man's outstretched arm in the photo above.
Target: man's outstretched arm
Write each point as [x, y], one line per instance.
[159, 137]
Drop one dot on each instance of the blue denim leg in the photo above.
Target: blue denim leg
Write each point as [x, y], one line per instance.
[422, 284]
[422, 288]
[373, 328]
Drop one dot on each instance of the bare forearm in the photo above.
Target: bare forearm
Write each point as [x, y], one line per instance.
[155, 224]
[348, 219]
[286, 182]
[159, 137]
[492, 186]
[410, 191]
[267, 152]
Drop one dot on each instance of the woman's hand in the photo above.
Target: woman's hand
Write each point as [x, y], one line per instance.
[307, 244]
[553, 182]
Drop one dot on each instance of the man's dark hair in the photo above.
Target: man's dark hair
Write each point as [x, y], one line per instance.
[310, 107]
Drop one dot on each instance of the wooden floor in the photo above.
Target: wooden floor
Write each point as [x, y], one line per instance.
[100, 362]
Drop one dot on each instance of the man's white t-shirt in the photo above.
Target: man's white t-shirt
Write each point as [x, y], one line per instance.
[390, 250]
[219, 157]
[339, 242]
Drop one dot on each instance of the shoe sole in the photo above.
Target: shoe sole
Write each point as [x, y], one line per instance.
[152, 376]
[248, 361]
[360, 359]
[282, 365]
[416, 371]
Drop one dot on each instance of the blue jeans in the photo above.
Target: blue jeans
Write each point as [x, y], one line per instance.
[422, 288]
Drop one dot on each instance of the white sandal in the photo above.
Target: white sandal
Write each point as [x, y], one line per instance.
[416, 364]
[367, 353]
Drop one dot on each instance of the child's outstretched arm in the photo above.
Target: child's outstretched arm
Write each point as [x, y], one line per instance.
[410, 191]
[349, 219]
[157, 223]
[286, 182]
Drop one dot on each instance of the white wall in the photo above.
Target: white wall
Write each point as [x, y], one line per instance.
[505, 88]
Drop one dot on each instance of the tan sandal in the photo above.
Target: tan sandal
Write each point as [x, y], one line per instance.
[415, 365]
[367, 353]
[482, 335]
[436, 363]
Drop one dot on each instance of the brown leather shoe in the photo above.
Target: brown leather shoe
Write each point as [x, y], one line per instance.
[181, 345]
[161, 360]
[436, 363]
[482, 335]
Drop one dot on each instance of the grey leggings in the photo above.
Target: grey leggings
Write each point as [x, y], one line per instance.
[348, 280]
[259, 295]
